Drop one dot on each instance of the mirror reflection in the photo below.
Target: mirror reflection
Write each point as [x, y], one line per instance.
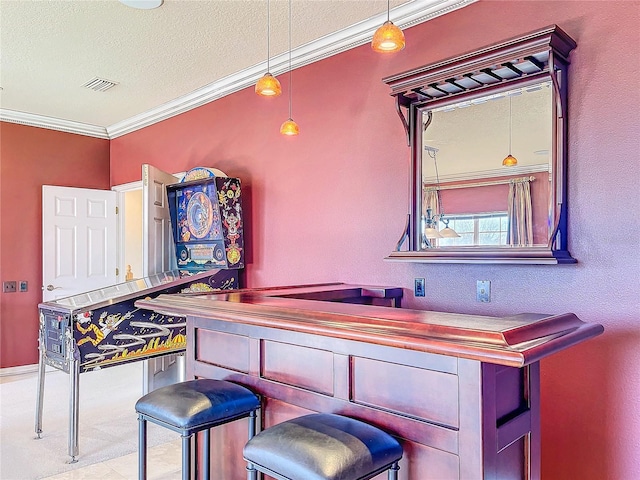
[486, 170]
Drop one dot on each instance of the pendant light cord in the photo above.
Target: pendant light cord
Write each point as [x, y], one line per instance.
[268, 33]
[290, 84]
[510, 126]
[388, 10]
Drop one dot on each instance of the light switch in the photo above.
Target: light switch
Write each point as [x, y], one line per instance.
[483, 291]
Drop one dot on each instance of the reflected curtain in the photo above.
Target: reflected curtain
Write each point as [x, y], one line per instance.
[430, 199]
[519, 213]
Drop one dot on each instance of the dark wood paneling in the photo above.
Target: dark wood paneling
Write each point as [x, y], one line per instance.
[292, 364]
[224, 349]
[511, 461]
[423, 394]
[511, 392]
[457, 416]
[421, 462]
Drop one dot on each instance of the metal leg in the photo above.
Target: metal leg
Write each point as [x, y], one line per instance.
[206, 454]
[252, 473]
[142, 448]
[73, 409]
[186, 457]
[393, 471]
[40, 398]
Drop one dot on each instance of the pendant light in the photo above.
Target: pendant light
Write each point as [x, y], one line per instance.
[510, 160]
[268, 85]
[388, 38]
[431, 219]
[290, 127]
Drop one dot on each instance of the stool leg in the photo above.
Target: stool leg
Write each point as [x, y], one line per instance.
[142, 448]
[393, 472]
[206, 451]
[186, 457]
[252, 473]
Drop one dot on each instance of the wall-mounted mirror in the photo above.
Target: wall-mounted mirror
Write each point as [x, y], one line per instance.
[487, 132]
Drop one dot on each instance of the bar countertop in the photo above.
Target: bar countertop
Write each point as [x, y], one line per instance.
[514, 341]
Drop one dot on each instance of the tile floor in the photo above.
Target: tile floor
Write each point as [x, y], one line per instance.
[163, 463]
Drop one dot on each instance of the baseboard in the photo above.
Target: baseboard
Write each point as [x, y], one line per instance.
[23, 370]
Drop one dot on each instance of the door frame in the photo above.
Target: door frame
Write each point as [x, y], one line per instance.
[121, 190]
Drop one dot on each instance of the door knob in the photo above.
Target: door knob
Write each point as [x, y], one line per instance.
[51, 288]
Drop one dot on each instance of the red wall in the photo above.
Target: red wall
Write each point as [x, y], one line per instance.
[331, 203]
[31, 157]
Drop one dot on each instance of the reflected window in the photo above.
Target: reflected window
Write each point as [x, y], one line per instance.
[477, 229]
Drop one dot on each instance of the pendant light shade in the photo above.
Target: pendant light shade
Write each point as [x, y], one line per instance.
[289, 127]
[268, 85]
[510, 160]
[432, 232]
[449, 232]
[388, 38]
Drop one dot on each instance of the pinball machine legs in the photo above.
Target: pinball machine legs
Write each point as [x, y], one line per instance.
[40, 397]
[74, 396]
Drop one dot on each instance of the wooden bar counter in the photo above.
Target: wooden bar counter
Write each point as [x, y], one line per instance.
[461, 392]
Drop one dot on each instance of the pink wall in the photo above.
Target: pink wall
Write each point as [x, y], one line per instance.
[331, 203]
[31, 157]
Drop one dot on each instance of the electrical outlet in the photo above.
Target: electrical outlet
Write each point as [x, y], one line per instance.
[483, 291]
[418, 287]
[23, 286]
[8, 287]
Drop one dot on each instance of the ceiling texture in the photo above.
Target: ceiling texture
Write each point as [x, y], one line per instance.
[167, 60]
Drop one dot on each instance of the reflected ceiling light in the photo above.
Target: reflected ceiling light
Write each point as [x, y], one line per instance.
[388, 38]
[268, 85]
[142, 4]
[430, 231]
[289, 127]
[447, 232]
[510, 160]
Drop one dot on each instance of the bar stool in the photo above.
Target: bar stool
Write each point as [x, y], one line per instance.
[190, 407]
[324, 447]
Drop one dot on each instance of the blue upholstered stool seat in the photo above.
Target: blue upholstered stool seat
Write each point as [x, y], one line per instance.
[190, 407]
[323, 447]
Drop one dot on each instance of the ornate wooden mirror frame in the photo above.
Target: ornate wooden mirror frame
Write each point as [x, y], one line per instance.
[519, 64]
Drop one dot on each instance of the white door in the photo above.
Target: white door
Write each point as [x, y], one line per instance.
[158, 251]
[159, 255]
[78, 240]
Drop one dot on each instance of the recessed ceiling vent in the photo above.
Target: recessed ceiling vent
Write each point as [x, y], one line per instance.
[99, 84]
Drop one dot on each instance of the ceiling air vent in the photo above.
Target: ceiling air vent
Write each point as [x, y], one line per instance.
[99, 84]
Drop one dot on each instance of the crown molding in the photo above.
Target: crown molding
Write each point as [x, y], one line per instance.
[51, 123]
[407, 15]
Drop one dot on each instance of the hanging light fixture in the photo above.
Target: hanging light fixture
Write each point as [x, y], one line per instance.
[268, 85]
[289, 127]
[388, 38]
[431, 218]
[510, 160]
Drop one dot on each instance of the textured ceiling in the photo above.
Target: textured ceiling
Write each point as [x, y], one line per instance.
[183, 54]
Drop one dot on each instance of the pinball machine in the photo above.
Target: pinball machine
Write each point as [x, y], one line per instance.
[103, 328]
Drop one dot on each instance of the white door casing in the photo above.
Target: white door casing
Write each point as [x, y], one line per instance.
[159, 255]
[158, 251]
[78, 240]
